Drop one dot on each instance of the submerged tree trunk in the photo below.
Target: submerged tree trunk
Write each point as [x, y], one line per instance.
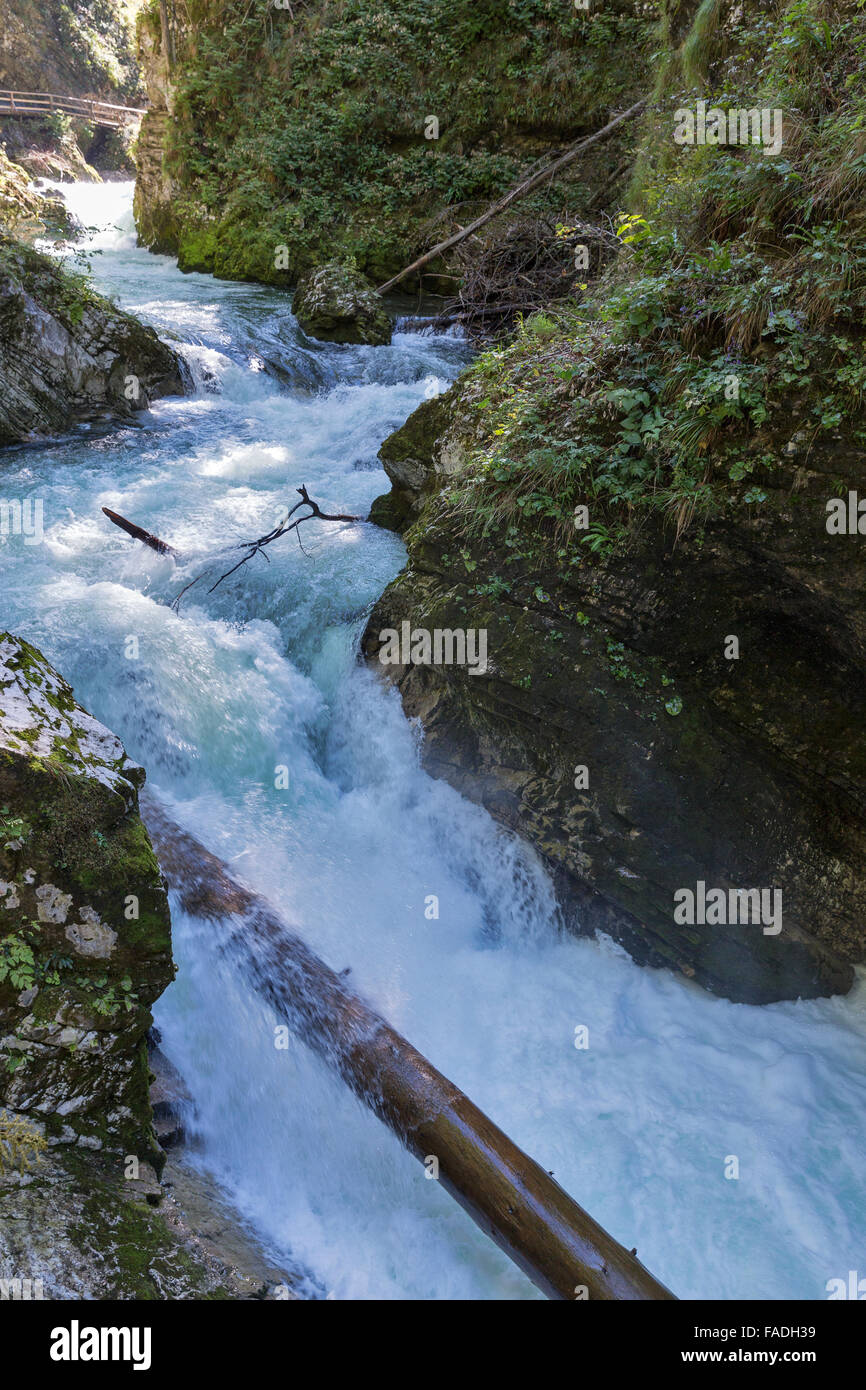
[514, 1201]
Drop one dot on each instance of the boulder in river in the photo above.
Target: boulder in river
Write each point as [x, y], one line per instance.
[68, 355]
[339, 305]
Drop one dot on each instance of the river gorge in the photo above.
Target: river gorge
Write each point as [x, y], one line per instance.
[266, 735]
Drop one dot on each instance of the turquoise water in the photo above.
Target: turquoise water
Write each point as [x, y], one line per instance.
[265, 673]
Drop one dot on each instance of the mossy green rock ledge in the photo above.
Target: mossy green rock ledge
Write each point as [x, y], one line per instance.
[69, 356]
[339, 305]
[85, 939]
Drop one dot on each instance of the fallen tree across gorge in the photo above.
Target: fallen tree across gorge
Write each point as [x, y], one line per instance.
[548, 172]
[514, 1201]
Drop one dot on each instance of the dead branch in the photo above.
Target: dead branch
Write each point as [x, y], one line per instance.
[259, 545]
[161, 547]
[518, 192]
[527, 267]
[249, 548]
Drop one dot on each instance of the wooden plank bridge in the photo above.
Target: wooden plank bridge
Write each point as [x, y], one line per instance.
[87, 108]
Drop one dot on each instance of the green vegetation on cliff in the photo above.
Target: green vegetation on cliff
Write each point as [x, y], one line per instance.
[733, 319]
[312, 132]
[630, 498]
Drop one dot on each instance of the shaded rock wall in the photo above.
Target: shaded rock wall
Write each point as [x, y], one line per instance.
[156, 191]
[744, 773]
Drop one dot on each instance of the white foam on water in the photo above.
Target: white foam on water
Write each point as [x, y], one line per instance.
[263, 673]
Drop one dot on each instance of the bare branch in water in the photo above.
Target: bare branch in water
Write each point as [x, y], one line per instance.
[257, 547]
[161, 547]
[250, 548]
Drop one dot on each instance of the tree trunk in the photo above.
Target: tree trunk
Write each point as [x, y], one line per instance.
[521, 189]
[514, 1201]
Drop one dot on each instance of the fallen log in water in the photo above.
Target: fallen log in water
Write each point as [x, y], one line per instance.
[138, 533]
[514, 1201]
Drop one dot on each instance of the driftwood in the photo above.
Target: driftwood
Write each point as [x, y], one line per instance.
[162, 547]
[527, 267]
[514, 1201]
[549, 171]
[249, 548]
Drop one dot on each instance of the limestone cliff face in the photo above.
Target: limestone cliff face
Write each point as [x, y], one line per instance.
[85, 944]
[80, 48]
[156, 191]
[83, 48]
[744, 773]
[67, 354]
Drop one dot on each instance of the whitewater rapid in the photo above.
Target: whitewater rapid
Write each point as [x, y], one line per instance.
[263, 674]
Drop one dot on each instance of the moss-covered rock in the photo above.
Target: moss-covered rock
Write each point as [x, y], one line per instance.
[85, 944]
[78, 1225]
[421, 457]
[337, 305]
[351, 130]
[20, 204]
[24, 211]
[67, 354]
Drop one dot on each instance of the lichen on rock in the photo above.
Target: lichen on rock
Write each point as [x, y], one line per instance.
[85, 945]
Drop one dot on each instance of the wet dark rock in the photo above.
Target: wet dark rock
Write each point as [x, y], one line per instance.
[67, 355]
[746, 773]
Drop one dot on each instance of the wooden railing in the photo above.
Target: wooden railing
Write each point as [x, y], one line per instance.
[89, 108]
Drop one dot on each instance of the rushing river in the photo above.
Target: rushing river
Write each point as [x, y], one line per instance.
[264, 673]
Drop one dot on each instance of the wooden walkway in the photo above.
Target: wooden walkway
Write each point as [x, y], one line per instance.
[88, 108]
